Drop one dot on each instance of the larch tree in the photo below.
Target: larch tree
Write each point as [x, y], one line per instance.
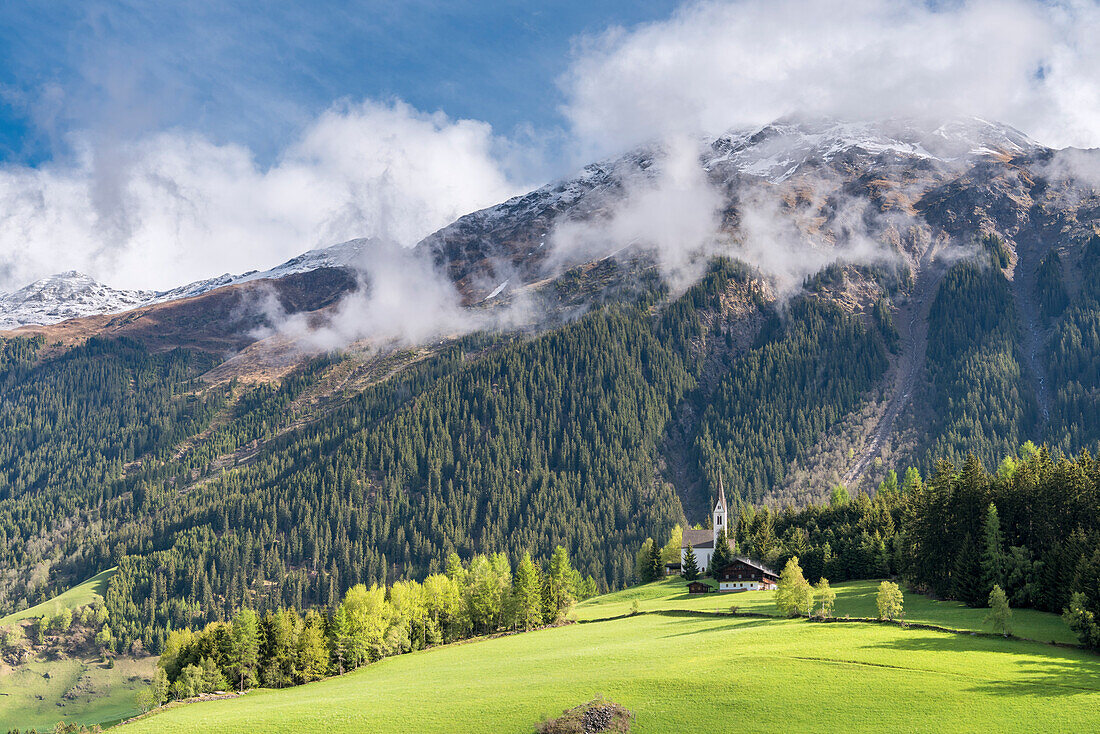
[527, 589]
[1000, 614]
[246, 647]
[559, 584]
[826, 598]
[889, 601]
[793, 593]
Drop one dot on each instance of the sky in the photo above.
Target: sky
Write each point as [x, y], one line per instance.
[154, 143]
[257, 73]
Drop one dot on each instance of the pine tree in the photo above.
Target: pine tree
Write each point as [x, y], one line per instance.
[691, 565]
[966, 576]
[993, 554]
[722, 556]
[656, 563]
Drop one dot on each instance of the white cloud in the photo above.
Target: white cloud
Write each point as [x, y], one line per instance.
[174, 207]
[717, 65]
[671, 211]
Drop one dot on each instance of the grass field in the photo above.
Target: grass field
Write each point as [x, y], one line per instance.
[78, 596]
[688, 673]
[855, 599]
[98, 695]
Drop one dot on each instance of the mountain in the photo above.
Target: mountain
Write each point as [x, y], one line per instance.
[348, 255]
[73, 295]
[64, 296]
[873, 297]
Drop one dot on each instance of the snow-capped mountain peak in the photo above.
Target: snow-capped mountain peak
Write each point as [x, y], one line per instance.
[73, 294]
[64, 296]
[343, 255]
[779, 149]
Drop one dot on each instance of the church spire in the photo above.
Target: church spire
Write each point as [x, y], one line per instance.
[721, 514]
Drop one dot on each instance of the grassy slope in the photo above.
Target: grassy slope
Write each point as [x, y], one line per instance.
[855, 599]
[688, 673]
[100, 694]
[78, 596]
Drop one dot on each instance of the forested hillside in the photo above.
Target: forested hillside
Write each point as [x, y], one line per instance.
[209, 499]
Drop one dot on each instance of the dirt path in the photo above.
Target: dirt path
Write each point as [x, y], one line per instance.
[912, 322]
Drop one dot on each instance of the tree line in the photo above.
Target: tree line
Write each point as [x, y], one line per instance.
[284, 647]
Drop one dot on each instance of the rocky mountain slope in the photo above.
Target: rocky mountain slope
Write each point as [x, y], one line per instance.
[868, 216]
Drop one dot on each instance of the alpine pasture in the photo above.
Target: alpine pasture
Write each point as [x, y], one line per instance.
[679, 665]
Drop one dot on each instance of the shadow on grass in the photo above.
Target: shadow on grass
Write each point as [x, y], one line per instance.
[722, 624]
[1058, 674]
[101, 580]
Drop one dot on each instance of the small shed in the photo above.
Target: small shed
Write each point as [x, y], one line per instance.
[699, 587]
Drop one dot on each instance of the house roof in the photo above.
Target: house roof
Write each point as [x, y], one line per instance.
[755, 564]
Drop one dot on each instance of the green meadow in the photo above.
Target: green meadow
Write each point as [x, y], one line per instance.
[76, 691]
[685, 671]
[78, 596]
[854, 599]
[39, 693]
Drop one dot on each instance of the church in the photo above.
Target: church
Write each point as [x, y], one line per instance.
[743, 574]
[703, 540]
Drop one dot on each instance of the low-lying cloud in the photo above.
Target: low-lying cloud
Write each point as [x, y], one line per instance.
[173, 207]
[716, 65]
[674, 212]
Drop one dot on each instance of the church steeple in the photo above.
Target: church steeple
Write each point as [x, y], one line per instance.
[721, 514]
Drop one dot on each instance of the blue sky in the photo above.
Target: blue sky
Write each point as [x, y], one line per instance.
[150, 143]
[257, 72]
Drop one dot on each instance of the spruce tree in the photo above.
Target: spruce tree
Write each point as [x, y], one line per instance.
[722, 555]
[993, 555]
[966, 577]
[656, 563]
[691, 565]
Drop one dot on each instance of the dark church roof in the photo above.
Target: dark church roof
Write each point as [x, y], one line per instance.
[702, 538]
